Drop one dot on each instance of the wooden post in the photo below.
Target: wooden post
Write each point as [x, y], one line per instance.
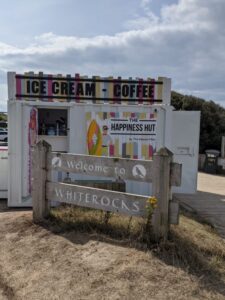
[161, 190]
[40, 174]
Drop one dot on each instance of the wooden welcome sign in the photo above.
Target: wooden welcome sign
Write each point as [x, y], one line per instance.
[161, 171]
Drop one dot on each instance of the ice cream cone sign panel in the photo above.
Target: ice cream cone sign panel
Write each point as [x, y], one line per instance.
[94, 139]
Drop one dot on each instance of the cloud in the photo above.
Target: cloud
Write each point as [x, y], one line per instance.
[146, 20]
[185, 42]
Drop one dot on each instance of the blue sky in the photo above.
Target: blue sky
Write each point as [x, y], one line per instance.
[184, 40]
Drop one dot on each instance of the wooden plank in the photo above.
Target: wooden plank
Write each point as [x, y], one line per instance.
[161, 190]
[174, 210]
[175, 174]
[121, 168]
[39, 176]
[119, 186]
[129, 204]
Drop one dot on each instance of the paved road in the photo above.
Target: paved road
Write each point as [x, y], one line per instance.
[209, 201]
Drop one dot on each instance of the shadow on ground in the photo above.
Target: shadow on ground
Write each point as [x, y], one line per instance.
[210, 207]
[4, 207]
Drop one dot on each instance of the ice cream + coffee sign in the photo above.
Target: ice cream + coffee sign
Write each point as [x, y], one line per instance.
[78, 87]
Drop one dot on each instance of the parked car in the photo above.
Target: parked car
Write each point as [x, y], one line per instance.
[3, 135]
[3, 125]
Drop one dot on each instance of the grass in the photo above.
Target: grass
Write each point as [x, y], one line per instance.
[66, 218]
[192, 245]
[102, 254]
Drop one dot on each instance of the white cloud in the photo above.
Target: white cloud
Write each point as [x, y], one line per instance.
[145, 3]
[146, 20]
[186, 42]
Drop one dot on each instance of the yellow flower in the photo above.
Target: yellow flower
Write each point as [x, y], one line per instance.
[151, 204]
[152, 200]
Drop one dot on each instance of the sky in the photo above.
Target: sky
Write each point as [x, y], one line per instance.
[180, 39]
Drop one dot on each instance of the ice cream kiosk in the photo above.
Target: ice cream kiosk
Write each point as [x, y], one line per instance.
[117, 117]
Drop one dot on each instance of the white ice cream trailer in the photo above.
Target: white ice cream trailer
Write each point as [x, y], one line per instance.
[130, 118]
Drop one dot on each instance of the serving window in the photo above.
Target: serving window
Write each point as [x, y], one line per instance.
[52, 122]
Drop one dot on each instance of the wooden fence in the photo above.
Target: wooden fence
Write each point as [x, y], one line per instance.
[161, 171]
